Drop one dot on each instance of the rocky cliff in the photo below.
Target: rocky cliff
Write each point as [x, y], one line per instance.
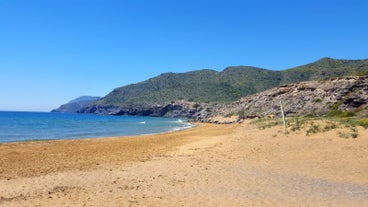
[179, 109]
[335, 96]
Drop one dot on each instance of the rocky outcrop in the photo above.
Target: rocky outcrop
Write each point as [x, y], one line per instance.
[174, 110]
[300, 99]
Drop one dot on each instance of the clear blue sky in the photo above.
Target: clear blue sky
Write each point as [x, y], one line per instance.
[52, 51]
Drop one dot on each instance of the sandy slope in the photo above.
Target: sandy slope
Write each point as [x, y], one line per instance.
[210, 165]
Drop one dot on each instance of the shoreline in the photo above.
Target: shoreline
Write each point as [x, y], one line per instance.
[192, 125]
[208, 165]
[35, 126]
[28, 152]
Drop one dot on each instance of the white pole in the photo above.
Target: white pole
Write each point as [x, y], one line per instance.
[283, 114]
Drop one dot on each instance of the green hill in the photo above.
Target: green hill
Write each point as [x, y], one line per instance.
[325, 68]
[198, 86]
[231, 84]
[77, 104]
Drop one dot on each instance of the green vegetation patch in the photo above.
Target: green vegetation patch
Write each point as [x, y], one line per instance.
[265, 123]
[336, 112]
[347, 127]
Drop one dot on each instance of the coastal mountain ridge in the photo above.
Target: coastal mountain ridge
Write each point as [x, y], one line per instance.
[171, 94]
[84, 99]
[77, 104]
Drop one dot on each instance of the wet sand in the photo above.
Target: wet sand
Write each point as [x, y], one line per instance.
[209, 165]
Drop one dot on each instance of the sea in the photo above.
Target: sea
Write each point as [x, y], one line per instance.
[31, 126]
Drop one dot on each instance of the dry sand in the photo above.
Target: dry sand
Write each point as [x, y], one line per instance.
[209, 165]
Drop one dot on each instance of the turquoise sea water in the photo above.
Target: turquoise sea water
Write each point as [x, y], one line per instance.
[25, 126]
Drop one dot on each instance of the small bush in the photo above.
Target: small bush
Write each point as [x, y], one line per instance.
[241, 114]
[354, 133]
[343, 135]
[329, 126]
[341, 114]
[317, 100]
[264, 123]
[297, 125]
[345, 114]
[272, 124]
[363, 122]
[313, 129]
[334, 109]
[311, 115]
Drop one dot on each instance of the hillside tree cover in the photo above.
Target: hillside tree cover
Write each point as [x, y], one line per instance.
[226, 86]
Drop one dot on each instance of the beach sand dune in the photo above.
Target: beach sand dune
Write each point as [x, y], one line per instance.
[209, 165]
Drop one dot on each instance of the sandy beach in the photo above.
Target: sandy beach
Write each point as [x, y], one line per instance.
[209, 165]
